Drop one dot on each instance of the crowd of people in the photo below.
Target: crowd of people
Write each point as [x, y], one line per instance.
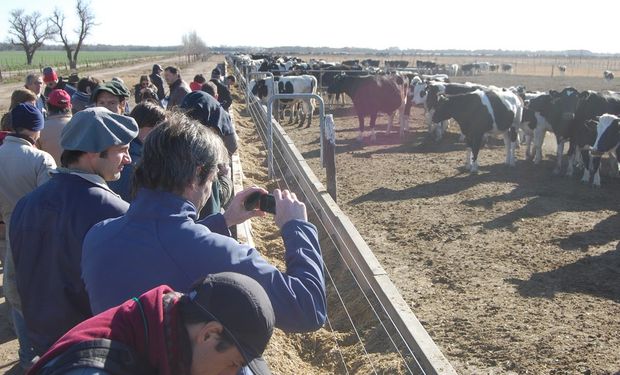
[119, 258]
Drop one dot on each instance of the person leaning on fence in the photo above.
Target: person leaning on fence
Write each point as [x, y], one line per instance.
[59, 114]
[197, 83]
[158, 81]
[202, 107]
[223, 94]
[81, 98]
[210, 88]
[49, 224]
[224, 322]
[18, 96]
[158, 241]
[23, 168]
[147, 115]
[230, 81]
[112, 95]
[34, 83]
[178, 87]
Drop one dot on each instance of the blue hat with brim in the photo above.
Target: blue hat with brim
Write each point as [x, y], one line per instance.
[97, 129]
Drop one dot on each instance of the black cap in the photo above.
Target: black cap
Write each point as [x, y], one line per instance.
[242, 306]
[215, 73]
[157, 68]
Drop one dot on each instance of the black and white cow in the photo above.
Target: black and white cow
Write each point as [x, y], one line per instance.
[427, 93]
[371, 95]
[591, 104]
[562, 69]
[481, 112]
[608, 75]
[304, 84]
[554, 112]
[607, 141]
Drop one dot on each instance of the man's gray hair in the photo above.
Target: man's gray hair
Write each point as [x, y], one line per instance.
[173, 153]
[31, 77]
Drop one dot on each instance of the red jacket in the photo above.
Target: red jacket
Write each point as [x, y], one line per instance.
[125, 324]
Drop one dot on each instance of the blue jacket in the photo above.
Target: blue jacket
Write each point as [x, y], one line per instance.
[158, 242]
[122, 186]
[48, 226]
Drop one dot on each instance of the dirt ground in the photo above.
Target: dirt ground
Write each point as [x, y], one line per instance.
[512, 270]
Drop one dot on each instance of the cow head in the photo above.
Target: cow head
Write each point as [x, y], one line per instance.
[337, 85]
[260, 89]
[441, 112]
[607, 133]
[432, 96]
[562, 110]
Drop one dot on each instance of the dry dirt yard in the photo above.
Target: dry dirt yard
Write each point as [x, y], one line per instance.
[512, 270]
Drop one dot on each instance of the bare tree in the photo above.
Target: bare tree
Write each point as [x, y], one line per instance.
[28, 31]
[86, 21]
[193, 46]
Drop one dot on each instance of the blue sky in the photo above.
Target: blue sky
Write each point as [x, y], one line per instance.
[458, 24]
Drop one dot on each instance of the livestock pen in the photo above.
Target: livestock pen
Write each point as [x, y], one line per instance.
[361, 299]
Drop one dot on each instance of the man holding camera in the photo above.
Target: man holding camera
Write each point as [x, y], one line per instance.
[159, 240]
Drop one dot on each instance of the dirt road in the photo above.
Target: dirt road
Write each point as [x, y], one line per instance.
[130, 74]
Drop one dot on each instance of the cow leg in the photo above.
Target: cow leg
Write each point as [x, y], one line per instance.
[528, 146]
[401, 118]
[360, 135]
[428, 118]
[539, 139]
[441, 129]
[476, 142]
[613, 164]
[390, 122]
[509, 146]
[404, 124]
[596, 166]
[558, 157]
[585, 154]
[373, 120]
[310, 107]
[574, 155]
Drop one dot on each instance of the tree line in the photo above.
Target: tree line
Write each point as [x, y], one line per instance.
[30, 32]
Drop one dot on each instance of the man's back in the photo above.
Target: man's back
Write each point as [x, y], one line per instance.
[47, 231]
[158, 242]
[22, 169]
[50, 135]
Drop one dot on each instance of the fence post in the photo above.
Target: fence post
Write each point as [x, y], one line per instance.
[330, 155]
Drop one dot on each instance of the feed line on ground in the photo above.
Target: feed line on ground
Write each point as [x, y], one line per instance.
[258, 114]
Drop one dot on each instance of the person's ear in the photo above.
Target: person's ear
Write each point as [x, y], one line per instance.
[211, 329]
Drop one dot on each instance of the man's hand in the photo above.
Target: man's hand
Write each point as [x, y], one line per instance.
[236, 212]
[288, 208]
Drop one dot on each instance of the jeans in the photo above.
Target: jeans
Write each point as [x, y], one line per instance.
[26, 353]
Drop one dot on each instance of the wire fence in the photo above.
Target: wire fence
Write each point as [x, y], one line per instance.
[353, 304]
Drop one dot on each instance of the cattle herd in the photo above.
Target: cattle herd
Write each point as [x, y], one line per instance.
[588, 120]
